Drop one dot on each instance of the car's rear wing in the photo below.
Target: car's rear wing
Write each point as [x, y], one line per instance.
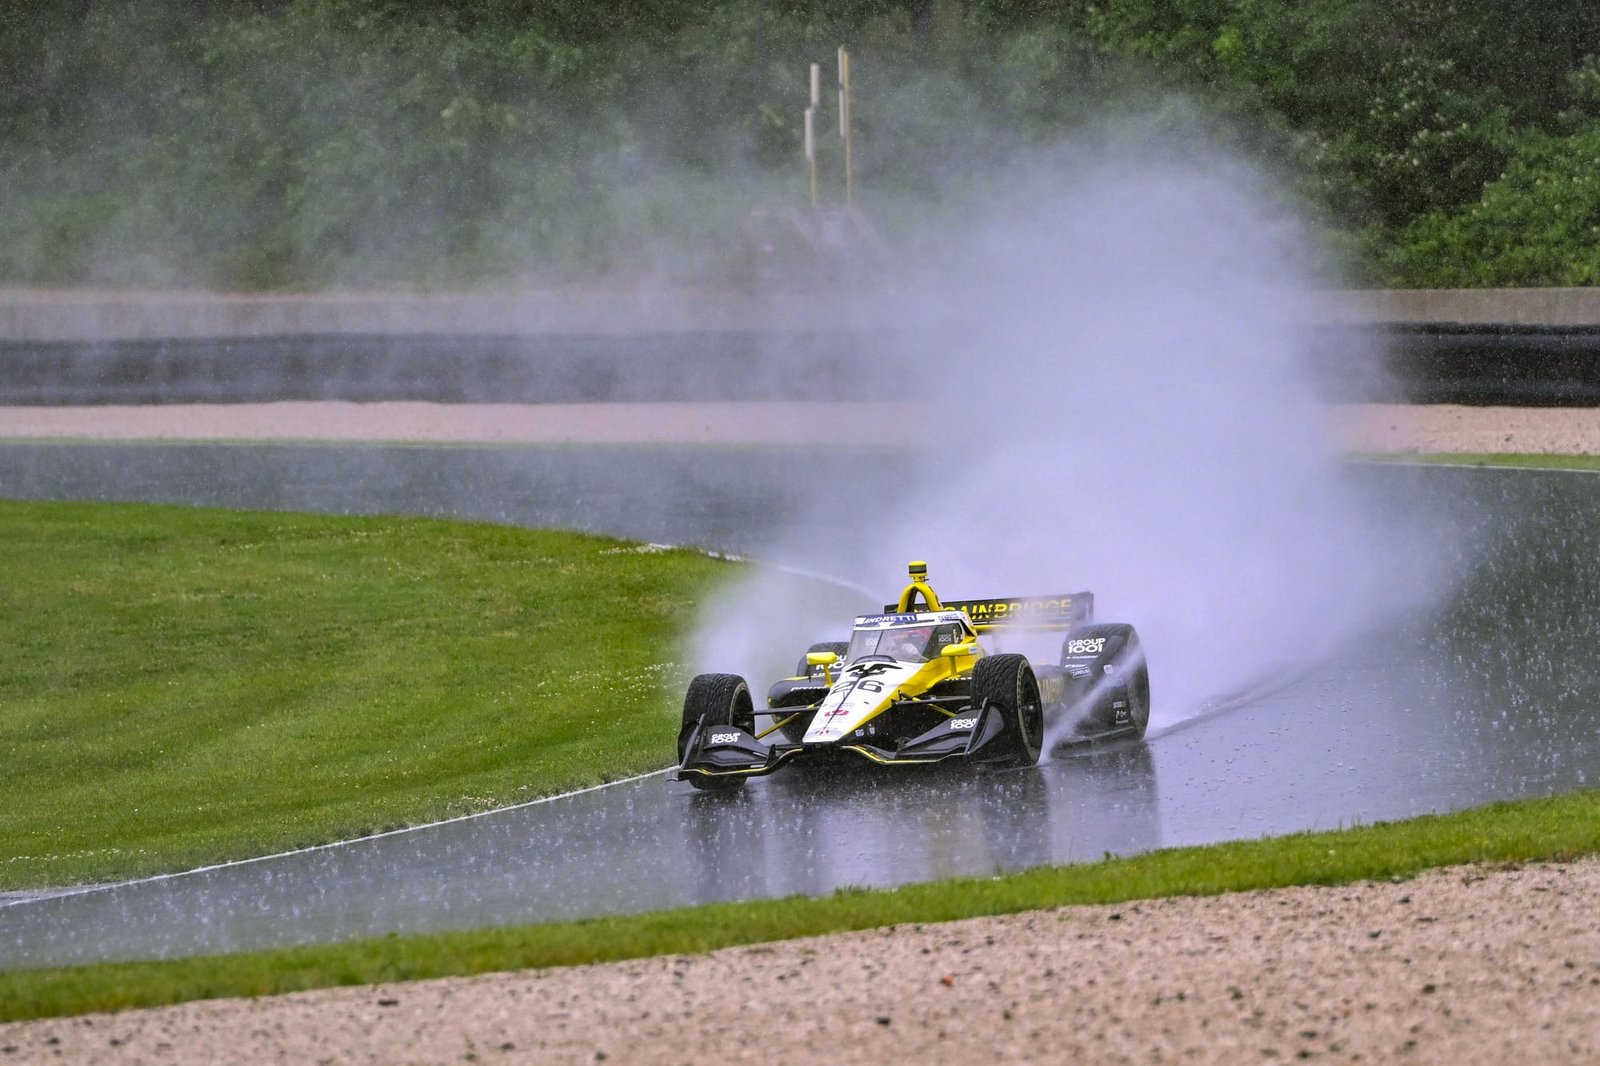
[1022, 612]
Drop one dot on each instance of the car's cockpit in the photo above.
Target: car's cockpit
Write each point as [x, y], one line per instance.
[917, 640]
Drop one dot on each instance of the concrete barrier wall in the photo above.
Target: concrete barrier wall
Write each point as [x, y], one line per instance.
[95, 316]
[705, 365]
[1529, 346]
[91, 316]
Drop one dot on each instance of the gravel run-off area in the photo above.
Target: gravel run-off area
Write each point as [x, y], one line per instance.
[1362, 427]
[1462, 965]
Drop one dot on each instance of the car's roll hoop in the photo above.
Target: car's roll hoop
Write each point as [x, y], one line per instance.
[919, 587]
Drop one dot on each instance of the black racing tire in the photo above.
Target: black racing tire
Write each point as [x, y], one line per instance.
[716, 699]
[1008, 681]
[1128, 676]
[1139, 699]
[838, 647]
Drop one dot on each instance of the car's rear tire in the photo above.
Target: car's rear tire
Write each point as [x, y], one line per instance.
[1118, 673]
[1008, 681]
[715, 699]
[1139, 698]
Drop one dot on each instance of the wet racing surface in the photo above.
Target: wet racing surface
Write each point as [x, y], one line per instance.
[1491, 696]
[728, 498]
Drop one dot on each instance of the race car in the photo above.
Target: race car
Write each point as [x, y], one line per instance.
[916, 685]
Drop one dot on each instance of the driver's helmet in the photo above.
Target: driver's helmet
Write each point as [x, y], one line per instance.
[910, 645]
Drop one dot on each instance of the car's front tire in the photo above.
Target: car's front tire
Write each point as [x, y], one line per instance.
[715, 700]
[1007, 681]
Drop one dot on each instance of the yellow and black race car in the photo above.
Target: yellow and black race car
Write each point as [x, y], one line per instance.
[915, 684]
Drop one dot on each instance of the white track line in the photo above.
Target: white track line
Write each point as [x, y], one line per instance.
[85, 889]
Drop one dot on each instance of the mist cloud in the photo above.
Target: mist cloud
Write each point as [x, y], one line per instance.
[1113, 361]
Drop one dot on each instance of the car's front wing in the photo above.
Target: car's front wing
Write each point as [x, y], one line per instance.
[977, 734]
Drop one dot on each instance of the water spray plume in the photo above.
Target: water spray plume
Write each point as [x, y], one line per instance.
[1112, 375]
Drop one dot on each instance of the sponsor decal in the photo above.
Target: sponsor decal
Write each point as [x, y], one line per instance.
[963, 723]
[985, 612]
[724, 738]
[893, 618]
[1087, 646]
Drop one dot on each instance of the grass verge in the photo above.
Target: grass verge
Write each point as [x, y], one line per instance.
[1559, 828]
[183, 686]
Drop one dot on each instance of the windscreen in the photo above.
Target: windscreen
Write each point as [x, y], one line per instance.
[906, 644]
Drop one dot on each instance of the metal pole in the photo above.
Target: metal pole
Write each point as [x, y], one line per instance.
[811, 151]
[811, 132]
[844, 124]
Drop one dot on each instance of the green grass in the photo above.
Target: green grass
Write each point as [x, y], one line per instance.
[1520, 461]
[184, 686]
[1562, 827]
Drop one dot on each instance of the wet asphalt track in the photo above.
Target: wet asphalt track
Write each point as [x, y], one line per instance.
[1493, 696]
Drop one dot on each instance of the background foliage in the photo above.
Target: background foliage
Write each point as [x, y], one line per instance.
[310, 143]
